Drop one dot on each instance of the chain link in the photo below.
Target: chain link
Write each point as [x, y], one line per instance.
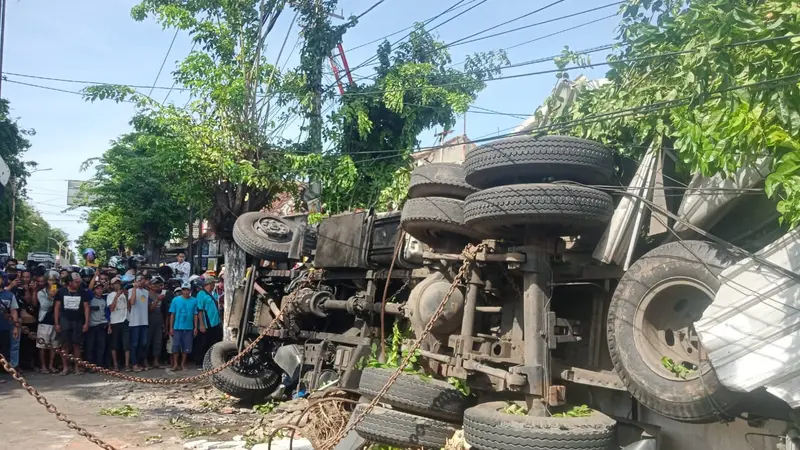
[52, 408]
[469, 253]
[161, 381]
[164, 381]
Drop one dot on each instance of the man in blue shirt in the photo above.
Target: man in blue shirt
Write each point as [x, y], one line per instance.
[210, 323]
[182, 324]
[8, 328]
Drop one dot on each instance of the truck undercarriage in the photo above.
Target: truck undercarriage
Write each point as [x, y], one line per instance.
[493, 285]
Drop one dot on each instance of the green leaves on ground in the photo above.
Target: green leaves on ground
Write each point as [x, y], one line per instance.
[698, 63]
[120, 411]
[265, 408]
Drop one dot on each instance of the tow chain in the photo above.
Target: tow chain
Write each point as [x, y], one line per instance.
[163, 381]
[469, 253]
[52, 409]
[160, 381]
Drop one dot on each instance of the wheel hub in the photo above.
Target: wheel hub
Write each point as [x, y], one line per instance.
[664, 336]
[272, 228]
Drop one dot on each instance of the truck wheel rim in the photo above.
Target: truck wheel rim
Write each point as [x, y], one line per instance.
[272, 228]
[664, 327]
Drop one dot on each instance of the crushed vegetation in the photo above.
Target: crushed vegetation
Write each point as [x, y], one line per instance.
[679, 370]
[576, 411]
[265, 408]
[515, 409]
[120, 411]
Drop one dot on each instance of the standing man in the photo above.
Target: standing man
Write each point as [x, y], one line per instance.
[208, 319]
[98, 328]
[138, 303]
[181, 268]
[118, 325]
[155, 330]
[182, 325]
[72, 317]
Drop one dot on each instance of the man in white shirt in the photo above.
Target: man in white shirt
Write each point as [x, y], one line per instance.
[181, 268]
[138, 313]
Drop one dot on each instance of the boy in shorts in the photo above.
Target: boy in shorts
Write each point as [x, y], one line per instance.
[118, 324]
[182, 325]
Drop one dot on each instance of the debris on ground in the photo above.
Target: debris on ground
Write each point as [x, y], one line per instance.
[315, 418]
[457, 442]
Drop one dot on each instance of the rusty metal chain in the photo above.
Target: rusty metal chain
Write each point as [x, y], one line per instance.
[165, 381]
[469, 253]
[82, 431]
[52, 409]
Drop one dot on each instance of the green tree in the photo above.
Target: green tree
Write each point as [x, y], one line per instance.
[722, 76]
[221, 156]
[31, 230]
[134, 198]
[378, 123]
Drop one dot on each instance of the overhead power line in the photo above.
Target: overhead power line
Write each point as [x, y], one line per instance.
[582, 66]
[164, 62]
[369, 9]
[494, 27]
[426, 22]
[555, 19]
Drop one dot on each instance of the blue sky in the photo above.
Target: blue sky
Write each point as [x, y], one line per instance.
[96, 40]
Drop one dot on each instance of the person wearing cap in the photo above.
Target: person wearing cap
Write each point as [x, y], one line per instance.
[46, 336]
[155, 327]
[183, 325]
[117, 303]
[138, 320]
[72, 317]
[209, 322]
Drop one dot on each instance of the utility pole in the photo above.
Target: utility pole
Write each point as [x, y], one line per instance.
[2, 47]
[315, 80]
[13, 197]
[189, 255]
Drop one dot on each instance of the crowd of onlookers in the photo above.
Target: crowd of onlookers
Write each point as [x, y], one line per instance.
[115, 316]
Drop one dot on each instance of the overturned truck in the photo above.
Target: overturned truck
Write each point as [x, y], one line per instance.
[563, 297]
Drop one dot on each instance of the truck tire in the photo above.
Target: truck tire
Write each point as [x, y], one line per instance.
[538, 159]
[265, 236]
[430, 398]
[387, 426]
[436, 221]
[439, 180]
[560, 208]
[650, 318]
[252, 386]
[488, 427]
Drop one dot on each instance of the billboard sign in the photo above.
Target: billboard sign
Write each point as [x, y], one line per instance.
[75, 194]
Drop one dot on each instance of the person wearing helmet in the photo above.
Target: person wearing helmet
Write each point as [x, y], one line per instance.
[209, 322]
[46, 336]
[87, 275]
[183, 325]
[90, 258]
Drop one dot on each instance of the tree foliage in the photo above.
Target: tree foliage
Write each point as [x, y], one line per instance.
[132, 196]
[711, 83]
[378, 123]
[31, 229]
